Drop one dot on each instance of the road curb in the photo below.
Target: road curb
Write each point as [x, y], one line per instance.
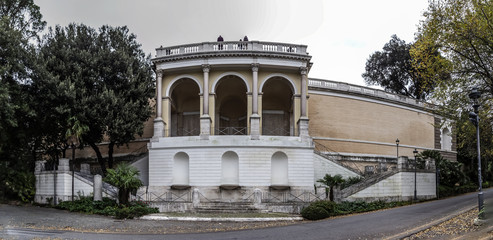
[212, 219]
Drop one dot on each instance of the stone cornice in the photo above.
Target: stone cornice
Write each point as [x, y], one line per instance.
[223, 54]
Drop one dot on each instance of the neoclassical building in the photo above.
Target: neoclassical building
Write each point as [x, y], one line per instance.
[241, 122]
[238, 118]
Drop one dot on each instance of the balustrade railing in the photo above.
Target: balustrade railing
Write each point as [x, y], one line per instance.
[231, 46]
[184, 197]
[231, 131]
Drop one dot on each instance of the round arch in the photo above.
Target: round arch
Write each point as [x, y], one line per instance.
[170, 85]
[218, 79]
[266, 79]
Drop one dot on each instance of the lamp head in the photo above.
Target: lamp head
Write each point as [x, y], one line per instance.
[415, 152]
[397, 141]
[474, 94]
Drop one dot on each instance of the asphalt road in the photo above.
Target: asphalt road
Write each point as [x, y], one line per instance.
[388, 224]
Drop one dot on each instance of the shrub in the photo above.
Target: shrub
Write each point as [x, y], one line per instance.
[327, 205]
[107, 207]
[314, 213]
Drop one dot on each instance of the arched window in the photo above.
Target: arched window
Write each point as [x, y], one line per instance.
[279, 169]
[185, 108]
[180, 169]
[229, 168]
[231, 106]
[277, 107]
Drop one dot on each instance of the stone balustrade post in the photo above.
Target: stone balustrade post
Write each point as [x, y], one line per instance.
[63, 164]
[195, 197]
[257, 196]
[98, 188]
[40, 166]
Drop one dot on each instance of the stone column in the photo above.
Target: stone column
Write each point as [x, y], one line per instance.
[40, 166]
[158, 121]
[304, 77]
[303, 122]
[205, 69]
[205, 119]
[63, 164]
[98, 188]
[255, 118]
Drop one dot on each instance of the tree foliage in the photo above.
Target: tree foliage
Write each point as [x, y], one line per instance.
[125, 178]
[462, 30]
[400, 70]
[100, 77]
[20, 22]
[330, 182]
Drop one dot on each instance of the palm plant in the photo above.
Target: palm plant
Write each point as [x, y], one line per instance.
[330, 182]
[125, 178]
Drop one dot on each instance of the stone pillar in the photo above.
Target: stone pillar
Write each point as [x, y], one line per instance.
[255, 118]
[303, 122]
[63, 164]
[257, 196]
[158, 121]
[255, 89]
[40, 166]
[85, 168]
[205, 119]
[304, 80]
[205, 69]
[98, 188]
[195, 197]
[401, 163]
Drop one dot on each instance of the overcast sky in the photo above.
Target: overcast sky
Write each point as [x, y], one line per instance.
[340, 34]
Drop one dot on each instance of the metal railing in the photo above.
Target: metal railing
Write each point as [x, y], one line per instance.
[278, 131]
[231, 131]
[180, 132]
[334, 156]
[184, 197]
[290, 197]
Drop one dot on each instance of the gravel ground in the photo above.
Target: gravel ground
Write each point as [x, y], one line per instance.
[459, 227]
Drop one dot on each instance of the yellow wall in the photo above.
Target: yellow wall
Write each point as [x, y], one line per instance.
[353, 119]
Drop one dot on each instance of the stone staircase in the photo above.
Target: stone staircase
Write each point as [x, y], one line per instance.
[226, 207]
[367, 181]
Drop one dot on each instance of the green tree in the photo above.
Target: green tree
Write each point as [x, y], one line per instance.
[125, 178]
[450, 172]
[462, 30]
[400, 70]
[20, 22]
[107, 80]
[330, 182]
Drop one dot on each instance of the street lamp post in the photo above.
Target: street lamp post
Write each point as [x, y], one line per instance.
[474, 117]
[397, 143]
[415, 173]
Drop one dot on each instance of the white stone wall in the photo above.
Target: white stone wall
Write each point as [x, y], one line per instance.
[324, 166]
[254, 160]
[400, 186]
[143, 166]
[45, 186]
